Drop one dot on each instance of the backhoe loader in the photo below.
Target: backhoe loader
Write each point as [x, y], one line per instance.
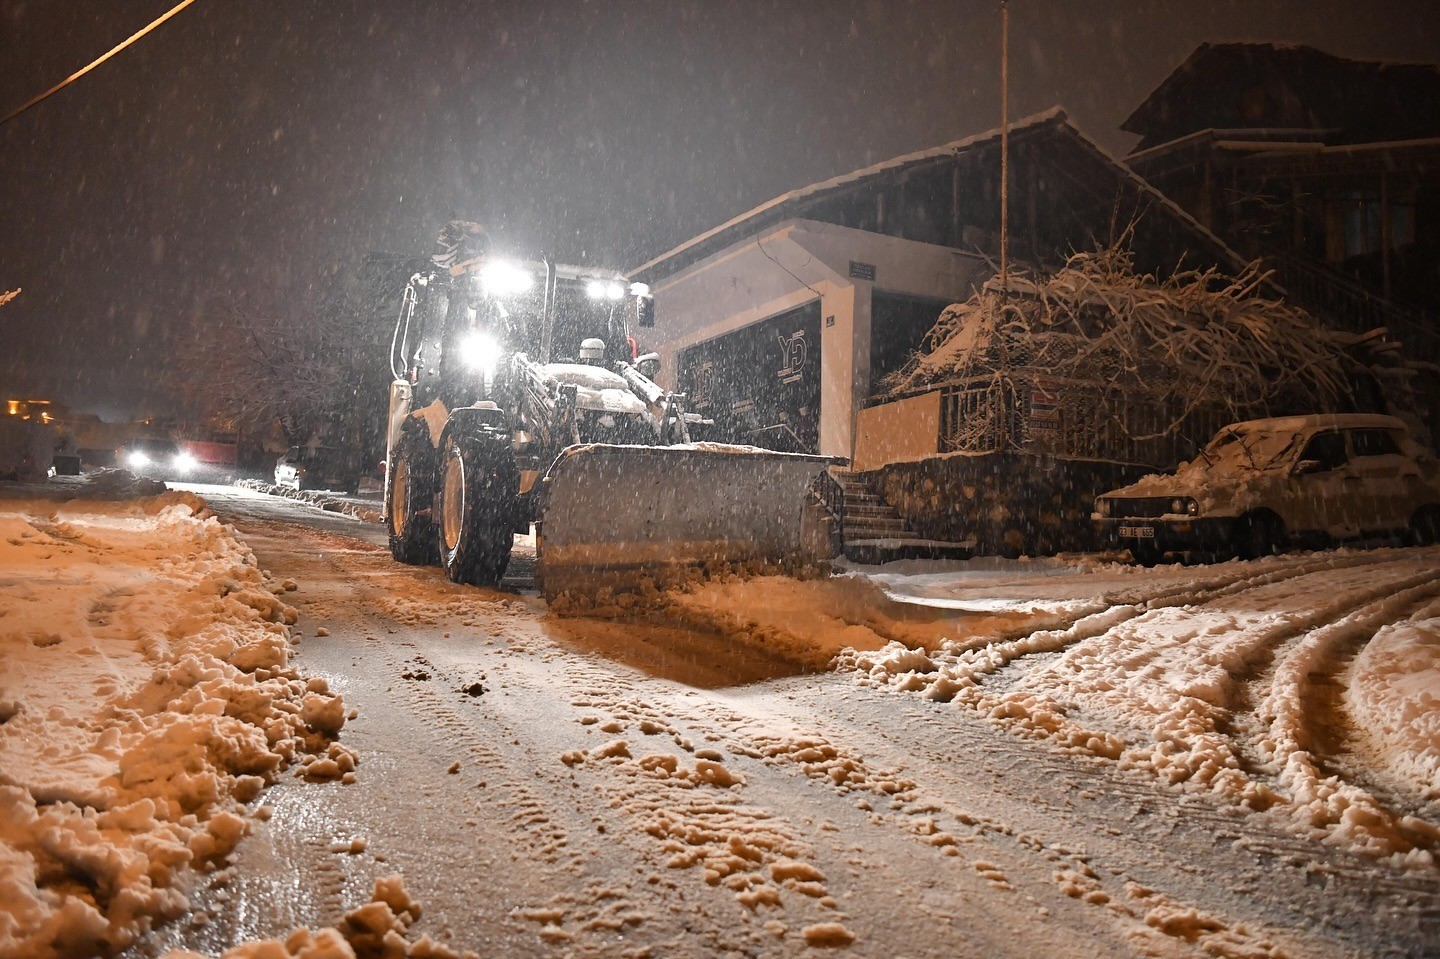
[518, 398]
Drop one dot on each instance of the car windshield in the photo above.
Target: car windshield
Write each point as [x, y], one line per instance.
[1253, 448]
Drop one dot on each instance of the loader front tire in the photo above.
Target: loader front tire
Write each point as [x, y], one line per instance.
[411, 478]
[475, 505]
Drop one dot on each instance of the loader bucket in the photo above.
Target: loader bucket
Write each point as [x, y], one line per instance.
[611, 516]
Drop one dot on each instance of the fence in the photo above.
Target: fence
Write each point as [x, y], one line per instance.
[1032, 413]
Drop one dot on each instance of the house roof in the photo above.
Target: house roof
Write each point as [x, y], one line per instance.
[1361, 99]
[796, 203]
[788, 204]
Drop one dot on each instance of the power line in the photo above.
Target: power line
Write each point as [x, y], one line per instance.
[95, 63]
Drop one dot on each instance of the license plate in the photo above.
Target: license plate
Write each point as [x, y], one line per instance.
[1138, 532]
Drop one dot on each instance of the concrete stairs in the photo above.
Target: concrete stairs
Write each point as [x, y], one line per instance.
[876, 533]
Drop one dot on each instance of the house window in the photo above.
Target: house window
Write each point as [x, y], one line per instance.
[1362, 218]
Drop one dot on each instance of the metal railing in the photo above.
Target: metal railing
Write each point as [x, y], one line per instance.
[1350, 306]
[1030, 413]
[828, 492]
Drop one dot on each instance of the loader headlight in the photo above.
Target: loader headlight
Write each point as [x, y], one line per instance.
[639, 289]
[604, 289]
[480, 351]
[1104, 507]
[502, 278]
[184, 462]
[137, 459]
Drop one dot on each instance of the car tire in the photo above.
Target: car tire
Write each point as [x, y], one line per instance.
[1258, 535]
[410, 493]
[1425, 526]
[475, 506]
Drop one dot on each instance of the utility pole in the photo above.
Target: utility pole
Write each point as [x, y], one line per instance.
[1004, 148]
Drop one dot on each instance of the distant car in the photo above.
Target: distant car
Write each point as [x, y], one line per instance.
[1262, 485]
[157, 458]
[316, 468]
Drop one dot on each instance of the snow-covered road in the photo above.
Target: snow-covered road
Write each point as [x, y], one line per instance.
[554, 786]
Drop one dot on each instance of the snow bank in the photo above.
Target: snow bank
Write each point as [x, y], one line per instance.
[118, 483]
[1395, 699]
[326, 501]
[146, 694]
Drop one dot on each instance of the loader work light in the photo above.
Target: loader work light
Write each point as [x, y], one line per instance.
[603, 290]
[480, 352]
[502, 278]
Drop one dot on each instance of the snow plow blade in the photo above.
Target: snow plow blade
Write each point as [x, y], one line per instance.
[612, 516]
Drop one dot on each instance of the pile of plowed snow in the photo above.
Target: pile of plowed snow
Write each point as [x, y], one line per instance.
[1395, 699]
[145, 696]
[329, 502]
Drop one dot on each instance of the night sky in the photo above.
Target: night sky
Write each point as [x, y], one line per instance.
[249, 149]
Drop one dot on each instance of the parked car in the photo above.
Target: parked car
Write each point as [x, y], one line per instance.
[315, 467]
[1262, 485]
[156, 458]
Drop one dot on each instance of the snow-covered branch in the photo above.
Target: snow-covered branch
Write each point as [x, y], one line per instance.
[1197, 339]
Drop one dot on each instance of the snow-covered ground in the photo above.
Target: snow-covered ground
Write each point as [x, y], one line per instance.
[1054, 757]
[1307, 684]
[146, 701]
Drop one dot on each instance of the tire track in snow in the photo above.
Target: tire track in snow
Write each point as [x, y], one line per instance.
[1077, 810]
[1108, 662]
[1201, 591]
[1290, 735]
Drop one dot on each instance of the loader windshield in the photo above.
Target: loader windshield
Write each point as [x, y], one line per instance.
[579, 317]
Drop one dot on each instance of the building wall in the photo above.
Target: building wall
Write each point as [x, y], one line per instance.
[794, 263]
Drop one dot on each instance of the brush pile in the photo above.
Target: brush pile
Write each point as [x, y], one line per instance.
[1195, 340]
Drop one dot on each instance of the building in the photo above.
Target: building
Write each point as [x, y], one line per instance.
[1326, 166]
[782, 322]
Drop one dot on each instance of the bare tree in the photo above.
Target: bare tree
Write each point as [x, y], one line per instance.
[315, 371]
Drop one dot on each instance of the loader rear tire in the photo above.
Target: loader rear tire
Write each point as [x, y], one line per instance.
[475, 506]
[411, 478]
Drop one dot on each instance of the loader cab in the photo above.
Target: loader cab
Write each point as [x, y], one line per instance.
[599, 305]
[543, 309]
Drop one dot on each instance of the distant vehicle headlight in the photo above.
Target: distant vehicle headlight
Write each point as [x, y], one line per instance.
[184, 462]
[480, 352]
[138, 459]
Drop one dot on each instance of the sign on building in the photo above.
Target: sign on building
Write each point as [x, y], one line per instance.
[760, 384]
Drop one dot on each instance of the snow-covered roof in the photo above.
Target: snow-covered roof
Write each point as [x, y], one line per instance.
[788, 204]
[1053, 115]
[1332, 90]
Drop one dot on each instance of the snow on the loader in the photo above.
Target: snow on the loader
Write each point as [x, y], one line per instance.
[146, 696]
